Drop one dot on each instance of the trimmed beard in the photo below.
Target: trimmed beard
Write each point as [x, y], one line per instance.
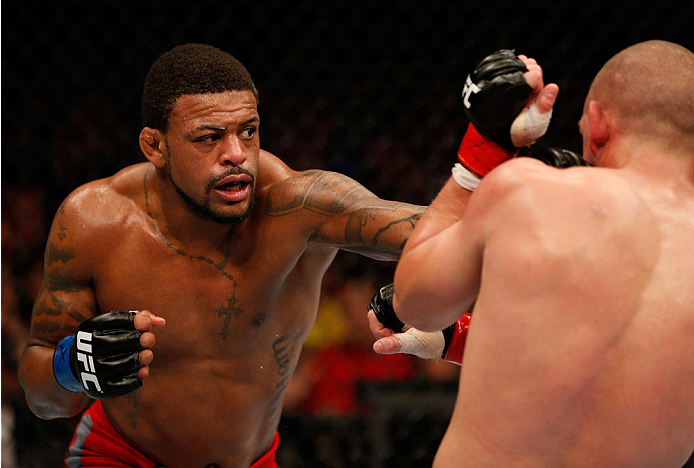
[203, 209]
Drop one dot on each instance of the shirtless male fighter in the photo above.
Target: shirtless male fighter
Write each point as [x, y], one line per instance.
[580, 352]
[221, 248]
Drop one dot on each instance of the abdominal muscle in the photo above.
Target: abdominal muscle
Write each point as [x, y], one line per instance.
[221, 412]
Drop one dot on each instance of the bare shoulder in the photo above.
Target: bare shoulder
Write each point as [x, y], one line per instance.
[526, 192]
[523, 181]
[287, 191]
[104, 202]
[272, 169]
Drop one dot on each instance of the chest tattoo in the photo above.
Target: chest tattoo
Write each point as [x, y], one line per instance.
[230, 306]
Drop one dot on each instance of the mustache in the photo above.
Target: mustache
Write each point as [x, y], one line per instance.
[231, 171]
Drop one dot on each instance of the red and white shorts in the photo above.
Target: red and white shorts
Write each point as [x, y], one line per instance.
[97, 443]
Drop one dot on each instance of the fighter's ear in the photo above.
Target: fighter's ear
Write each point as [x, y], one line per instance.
[153, 146]
[600, 126]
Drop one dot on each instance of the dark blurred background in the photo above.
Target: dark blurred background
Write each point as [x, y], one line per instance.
[370, 89]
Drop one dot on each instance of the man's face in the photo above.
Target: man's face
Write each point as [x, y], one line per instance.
[212, 153]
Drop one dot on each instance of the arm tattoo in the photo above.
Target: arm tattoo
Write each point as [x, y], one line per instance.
[58, 254]
[326, 193]
[332, 194]
[49, 322]
[62, 234]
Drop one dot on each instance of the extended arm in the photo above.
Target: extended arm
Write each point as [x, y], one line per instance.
[348, 216]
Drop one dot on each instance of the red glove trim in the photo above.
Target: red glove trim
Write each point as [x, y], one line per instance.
[456, 347]
[479, 154]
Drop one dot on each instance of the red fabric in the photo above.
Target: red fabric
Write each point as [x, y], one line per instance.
[269, 459]
[338, 370]
[479, 154]
[455, 350]
[97, 443]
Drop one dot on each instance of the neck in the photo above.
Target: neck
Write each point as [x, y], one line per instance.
[670, 165]
[177, 223]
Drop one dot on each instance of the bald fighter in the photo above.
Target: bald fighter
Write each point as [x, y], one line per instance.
[580, 350]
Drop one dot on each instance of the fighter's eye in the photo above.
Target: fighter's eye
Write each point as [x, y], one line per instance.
[248, 132]
[211, 138]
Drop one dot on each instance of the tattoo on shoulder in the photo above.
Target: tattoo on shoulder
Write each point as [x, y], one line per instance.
[55, 253]
[328, 193]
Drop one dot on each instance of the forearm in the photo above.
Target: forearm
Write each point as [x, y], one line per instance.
[45, 397]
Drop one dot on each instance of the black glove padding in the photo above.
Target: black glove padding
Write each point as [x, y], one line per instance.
[382, 305]
[558, 157]
[105, 355]
[494, 94]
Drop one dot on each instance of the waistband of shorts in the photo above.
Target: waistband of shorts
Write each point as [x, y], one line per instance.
[269, 460]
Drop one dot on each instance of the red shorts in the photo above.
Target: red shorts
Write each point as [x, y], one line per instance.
[97, 443]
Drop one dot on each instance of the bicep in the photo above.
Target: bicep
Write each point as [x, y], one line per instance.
[355, 219]
[66, 297]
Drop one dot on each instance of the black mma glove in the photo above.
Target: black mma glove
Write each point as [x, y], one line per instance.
[558, 157]
[102, 358]
[494, 94]
[382, 305]
[448, 344]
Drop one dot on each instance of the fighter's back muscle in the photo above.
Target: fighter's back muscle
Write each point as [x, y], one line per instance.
[576, 301]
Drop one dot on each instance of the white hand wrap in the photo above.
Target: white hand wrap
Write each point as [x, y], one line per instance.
[465, 178]
[529, 126]
[426, 345]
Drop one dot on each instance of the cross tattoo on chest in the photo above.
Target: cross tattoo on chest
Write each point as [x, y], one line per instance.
[226, 310]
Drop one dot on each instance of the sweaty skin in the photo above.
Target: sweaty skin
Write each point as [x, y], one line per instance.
[238, 300]
[580, 349]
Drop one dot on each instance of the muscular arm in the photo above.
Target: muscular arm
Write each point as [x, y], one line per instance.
[438, 275]
[349, 216]
[65, 300]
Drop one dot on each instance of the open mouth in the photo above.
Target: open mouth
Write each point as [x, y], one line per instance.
[232, 186]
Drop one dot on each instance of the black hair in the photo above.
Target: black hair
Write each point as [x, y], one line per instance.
[190, 69]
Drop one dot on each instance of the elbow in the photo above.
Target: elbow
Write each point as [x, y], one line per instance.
[39, 411]
[415, 313]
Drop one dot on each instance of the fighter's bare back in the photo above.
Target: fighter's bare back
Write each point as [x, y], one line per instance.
[557, 323]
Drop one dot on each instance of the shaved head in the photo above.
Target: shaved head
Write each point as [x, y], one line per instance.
[649, 89]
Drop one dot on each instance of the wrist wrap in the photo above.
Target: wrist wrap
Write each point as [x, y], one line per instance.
[479, 154]
[61, 366]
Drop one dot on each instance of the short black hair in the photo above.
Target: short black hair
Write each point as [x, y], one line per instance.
[190, 69]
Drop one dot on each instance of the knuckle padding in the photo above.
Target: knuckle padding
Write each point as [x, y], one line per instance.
[117, 343]
[502, 95]
[113, 322]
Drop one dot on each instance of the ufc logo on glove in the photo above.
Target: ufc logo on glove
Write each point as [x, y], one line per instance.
[84, 355]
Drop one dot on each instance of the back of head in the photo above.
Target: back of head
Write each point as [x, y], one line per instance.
[189, 69]
[649, 89]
